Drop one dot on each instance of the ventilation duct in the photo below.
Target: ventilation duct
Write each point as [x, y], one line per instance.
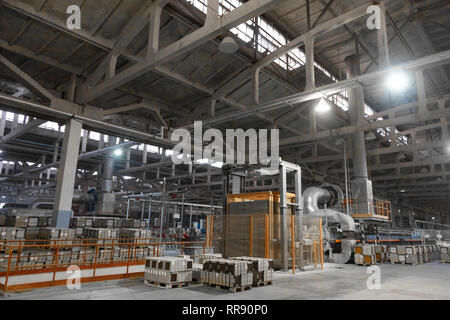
[312, 197]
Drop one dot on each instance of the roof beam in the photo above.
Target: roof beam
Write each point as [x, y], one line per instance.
[212, 28]
[33, 84]
[21, 130]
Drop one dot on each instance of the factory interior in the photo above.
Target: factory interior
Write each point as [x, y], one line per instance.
[224, 150]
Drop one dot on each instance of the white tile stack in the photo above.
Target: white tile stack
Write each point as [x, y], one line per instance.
[210, 256]
[445, 254]
[168, 270]
[100, 235]
[229, 273]
[262, 269]
[365, 254]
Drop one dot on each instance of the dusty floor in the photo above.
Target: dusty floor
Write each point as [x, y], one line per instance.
[425, 281]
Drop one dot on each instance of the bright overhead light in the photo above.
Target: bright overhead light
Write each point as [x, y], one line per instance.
[397, 81]
[118, 152]
[323, 106]
[217, 164]
[403, 190]
[1, 151]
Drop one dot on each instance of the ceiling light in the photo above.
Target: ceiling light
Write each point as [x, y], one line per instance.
[228, 45]
[403, 190]
[118, 152]
[397, 81]
[370, 136]
[217, 164]
[323, 106]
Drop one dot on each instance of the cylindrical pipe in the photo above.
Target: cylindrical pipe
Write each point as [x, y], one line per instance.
[108, 168]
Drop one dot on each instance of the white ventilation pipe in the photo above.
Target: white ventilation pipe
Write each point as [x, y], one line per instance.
[312, 197]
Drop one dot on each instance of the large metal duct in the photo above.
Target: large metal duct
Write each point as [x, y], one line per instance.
[312, 197]
[78, 197]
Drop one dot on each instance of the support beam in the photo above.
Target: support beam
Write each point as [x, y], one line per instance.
[361, 185]
[21, 130]
[66, 175]
[330, 89]
[33, 84]
[210, 31]
[382, 40]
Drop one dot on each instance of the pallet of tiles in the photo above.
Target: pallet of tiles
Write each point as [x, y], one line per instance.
[411, 255]
[210, 256]
[393, 254]
[445, 254]
[262, 270]
[365, 254]
[168, 272]
[234, 275]
[10, 237]
[100, 235]
[381, 253]
[55, 236]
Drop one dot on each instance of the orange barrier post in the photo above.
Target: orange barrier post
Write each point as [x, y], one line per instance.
[211, 231]
[293, 243]
[321, 243]
[266, 236]
[315, 253]
[250, 247]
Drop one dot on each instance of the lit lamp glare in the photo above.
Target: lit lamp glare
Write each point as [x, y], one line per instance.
[118, 152]
[397, 81]
[323, 106]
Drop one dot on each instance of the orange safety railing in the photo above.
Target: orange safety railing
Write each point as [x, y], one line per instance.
[381, 207]
[26, 257]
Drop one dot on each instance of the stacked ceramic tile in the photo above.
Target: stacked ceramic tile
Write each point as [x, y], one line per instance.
[228, 273]
[210, 256]
[365, 254]
[168, 270]
[445, 254]
[262, 269]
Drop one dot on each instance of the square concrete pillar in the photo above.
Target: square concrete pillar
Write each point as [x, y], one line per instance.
[62, 210]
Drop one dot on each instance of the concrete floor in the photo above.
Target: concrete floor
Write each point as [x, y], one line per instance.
[425, 281]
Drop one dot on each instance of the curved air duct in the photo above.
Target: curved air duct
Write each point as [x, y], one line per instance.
[77, 198]
[312, 197]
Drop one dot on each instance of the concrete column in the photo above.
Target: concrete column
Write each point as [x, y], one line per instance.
[154, 26]
[255, 86]
[2, 124]
[15, 122]
[85, 140]
[101, 142]
[361, 185]
[382, 40]
[313, 128]
[309, 63]
[421, 92]
[284, 235]
[127, 158]
[66, 175]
